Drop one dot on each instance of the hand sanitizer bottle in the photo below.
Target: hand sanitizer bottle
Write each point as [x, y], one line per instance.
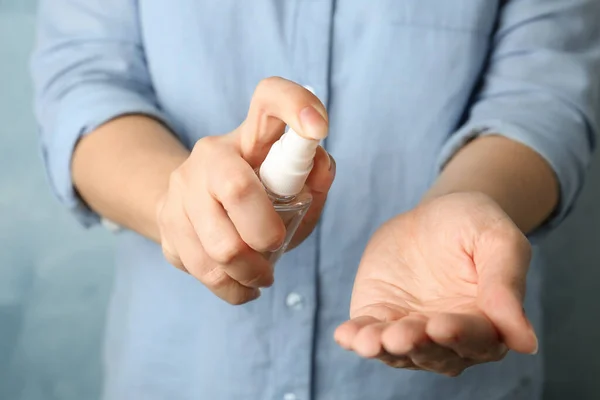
[284, 173]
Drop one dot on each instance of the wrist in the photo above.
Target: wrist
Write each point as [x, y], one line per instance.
[468, 196]
[122, 169]
[511, 174]
[512, 210]
[434, 194]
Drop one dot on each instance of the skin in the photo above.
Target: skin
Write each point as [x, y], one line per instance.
[207, 208]
[439, 288]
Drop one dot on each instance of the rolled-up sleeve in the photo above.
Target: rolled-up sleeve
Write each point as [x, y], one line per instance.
[88, 67]
[542, 88]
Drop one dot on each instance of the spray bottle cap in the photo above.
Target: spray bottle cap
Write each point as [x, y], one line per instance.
[288, 164]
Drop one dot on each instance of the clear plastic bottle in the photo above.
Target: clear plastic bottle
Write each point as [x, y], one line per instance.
[284, 173]
[292, 210]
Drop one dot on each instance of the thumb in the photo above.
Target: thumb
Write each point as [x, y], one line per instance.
[276, 103]
[322, 175]
[502, 256]
[319, 182]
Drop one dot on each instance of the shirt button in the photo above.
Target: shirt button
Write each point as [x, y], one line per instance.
[294, 301]
[110, 226]
[290, 396]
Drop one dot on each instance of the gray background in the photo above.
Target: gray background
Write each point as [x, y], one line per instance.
[54, 279]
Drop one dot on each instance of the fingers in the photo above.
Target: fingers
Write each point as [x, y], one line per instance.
[502, 257]
[275, 103]
[445, 343]
[218, 218]
[228, 179]
[344, 335]
[237, 188]
[403, 336]
[234, 219]
[435, 358]
[278, 102]
[182, 248]
[323, 172]
[393, 361]
[408, 338]
[367, 341]
[222, 243]
[400, 344]
[319, 182]
[469, 336]
[212, 275]
[504, 309]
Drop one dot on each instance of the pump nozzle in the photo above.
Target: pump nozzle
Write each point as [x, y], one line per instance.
[289, 162]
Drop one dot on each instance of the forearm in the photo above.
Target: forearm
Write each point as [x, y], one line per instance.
[122, 169]
[515, 176]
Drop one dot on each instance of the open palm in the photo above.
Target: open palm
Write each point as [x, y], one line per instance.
[440, 288]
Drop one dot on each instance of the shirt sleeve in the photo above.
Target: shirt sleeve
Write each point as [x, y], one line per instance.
[88, 67]
[541, 88]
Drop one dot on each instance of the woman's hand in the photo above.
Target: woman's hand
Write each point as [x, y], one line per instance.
[216, 219]
[441, 288]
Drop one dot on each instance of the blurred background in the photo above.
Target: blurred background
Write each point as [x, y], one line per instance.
[55, 277]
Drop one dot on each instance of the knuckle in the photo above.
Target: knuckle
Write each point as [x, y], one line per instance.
[216, 279]
[172, 258]
[274, 240]
[223, 285]
[169, 221]
[236, 189]
[269, 83]
[196, 261]
[228, 250]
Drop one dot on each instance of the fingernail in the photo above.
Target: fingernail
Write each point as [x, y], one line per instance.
[535, 351]
[332, 164]
[313, 123]
[275, 248]
[533, 335]
[535, 339]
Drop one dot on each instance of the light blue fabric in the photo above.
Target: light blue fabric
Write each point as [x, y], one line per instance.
[406, 83]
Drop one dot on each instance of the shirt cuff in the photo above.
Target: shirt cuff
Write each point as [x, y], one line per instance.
[551, 150]
[82, 111]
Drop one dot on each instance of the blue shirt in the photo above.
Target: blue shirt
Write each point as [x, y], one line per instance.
[406, 83]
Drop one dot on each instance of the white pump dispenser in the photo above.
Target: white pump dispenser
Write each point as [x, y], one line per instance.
[284, 173]
[288, 164]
